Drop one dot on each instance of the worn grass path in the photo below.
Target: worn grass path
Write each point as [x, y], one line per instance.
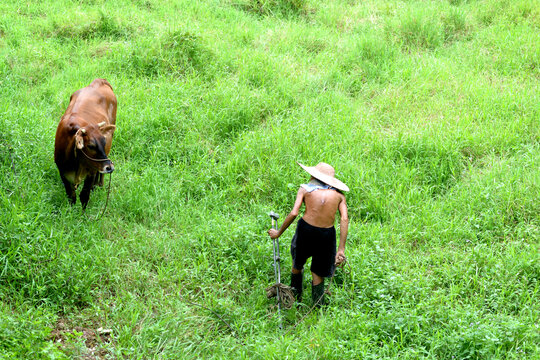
[429, 110]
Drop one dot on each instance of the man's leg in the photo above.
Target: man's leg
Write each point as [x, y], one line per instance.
[322, 262]
[316, 278]
[317, 290]
[296, 283]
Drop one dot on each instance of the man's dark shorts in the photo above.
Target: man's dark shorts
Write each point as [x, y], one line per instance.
[319, 243]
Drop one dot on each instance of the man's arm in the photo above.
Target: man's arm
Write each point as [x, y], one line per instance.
[343, 230]
[292, 215]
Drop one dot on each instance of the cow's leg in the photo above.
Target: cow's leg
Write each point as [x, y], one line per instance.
[70, 189]
[99, 179]
[85, 192]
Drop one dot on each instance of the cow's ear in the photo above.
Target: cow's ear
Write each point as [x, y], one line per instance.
[79, 141]
[108, 131]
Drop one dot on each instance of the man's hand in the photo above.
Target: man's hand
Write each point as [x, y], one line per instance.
[340, 257]
[273, 233]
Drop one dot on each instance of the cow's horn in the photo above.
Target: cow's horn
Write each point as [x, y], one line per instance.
[101, 123]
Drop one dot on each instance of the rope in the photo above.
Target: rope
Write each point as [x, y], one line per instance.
[106, 201]
[92, 159]
[109, 187]
[286, 295]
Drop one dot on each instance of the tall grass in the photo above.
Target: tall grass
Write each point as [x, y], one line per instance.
[427, 109]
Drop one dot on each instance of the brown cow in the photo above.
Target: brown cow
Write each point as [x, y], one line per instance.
[84, 138]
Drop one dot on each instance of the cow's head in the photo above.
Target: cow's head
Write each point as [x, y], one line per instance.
[94, 142]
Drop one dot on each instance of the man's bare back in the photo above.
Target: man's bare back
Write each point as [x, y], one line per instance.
[321, 207]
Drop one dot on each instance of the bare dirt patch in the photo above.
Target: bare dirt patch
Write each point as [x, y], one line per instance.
[71, 338]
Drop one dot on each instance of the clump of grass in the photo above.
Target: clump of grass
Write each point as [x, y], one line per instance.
[54, 279]
[478, 340]
[418, 28]
[434, 167]
[509, 12]
[185, 48]
[145, 4]
[104, 27]
[177, 53]
[428, 28]
[273, 7]
[33, 65]
[455, 24]
[517, 53]
[366, 58]
[6, 148]
[25, 335]
[497, 207]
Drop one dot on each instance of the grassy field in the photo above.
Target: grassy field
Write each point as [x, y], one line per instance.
[429, 111]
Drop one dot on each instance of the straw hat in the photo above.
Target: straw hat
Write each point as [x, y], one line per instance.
[325, 173]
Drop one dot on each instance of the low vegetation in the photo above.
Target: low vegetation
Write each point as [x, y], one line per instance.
[428, 110]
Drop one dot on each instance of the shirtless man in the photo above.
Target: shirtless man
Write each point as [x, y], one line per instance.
[315, 233]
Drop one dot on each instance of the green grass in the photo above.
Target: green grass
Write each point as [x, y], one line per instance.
[428, 110]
